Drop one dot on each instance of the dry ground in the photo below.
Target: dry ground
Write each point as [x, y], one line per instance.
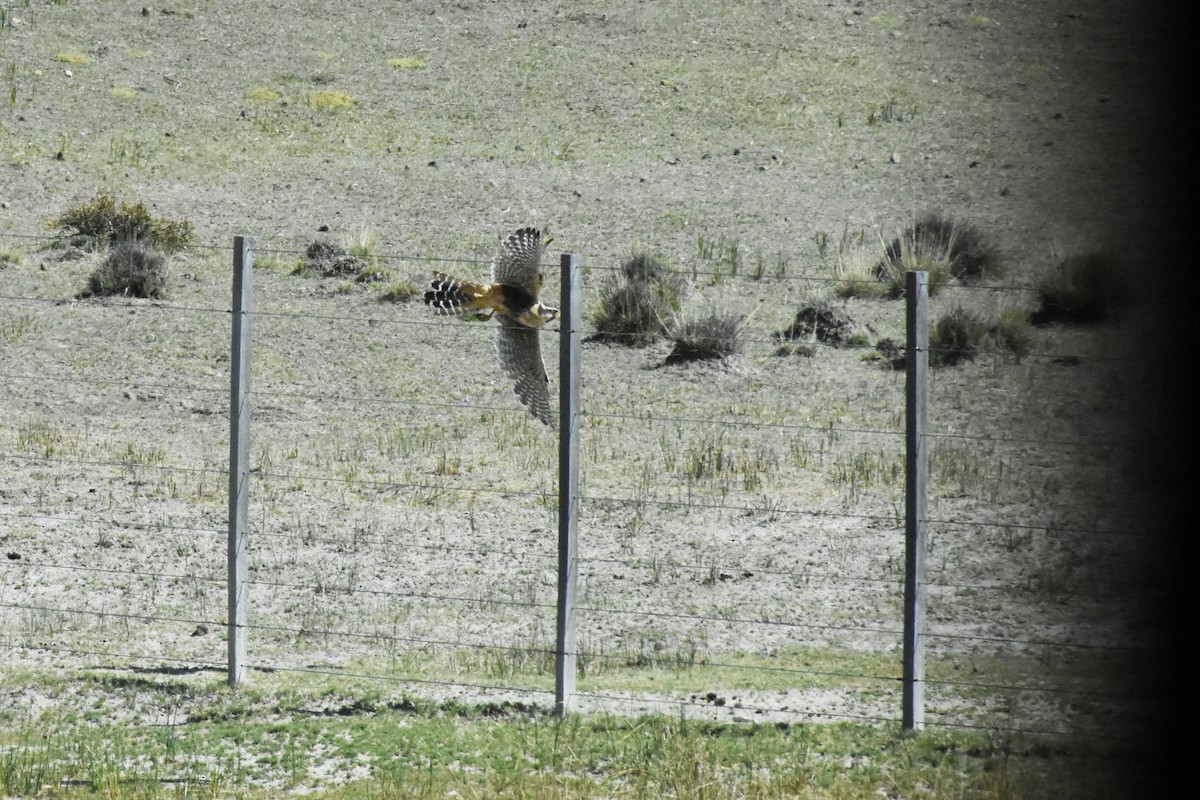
[403, 507]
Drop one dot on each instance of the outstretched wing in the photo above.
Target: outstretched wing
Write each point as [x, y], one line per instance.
[520, 261]
[520, 351]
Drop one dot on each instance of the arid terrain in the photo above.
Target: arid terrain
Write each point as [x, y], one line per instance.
[742, 537]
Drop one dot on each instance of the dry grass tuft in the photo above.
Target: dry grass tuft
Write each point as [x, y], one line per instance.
[639, 302]
[706, 335]
[945, 248]
[130, 268]
[1082, 289]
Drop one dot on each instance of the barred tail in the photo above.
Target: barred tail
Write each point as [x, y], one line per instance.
[449, 295]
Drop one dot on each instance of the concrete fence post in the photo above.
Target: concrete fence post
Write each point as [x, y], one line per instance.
[571, 332]
[916, 485]
[239, 455]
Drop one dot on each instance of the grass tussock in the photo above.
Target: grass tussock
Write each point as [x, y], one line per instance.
[960, 335]
[103, 221]
[130, 268]
[707, 335]
[638, 302]
[852, 265]
[1082, 289]
[940, 245]
[399, 292]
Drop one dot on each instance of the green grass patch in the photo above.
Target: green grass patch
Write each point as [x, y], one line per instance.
[259, 744]
[261, 94]
[411, 62]
[329, 100]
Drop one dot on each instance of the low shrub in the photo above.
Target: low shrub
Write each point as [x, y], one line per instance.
[103, 222]
[328, 257]
[638, 302]
[1081, 289]
[945, 248]
[711, 334]
[956, 337]
[822, 321]
[131, 268]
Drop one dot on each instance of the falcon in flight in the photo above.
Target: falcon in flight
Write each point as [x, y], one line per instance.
[512, 297]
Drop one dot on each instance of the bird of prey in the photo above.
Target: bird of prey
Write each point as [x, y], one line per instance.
[512, 297]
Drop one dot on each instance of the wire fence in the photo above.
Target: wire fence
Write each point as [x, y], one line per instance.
[741, 525]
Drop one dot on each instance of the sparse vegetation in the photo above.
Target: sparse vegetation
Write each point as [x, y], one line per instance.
[102, 222]
[638, 302]
[956, 337]
[274, 742]
[328, 257]
[725, 252]
[945, 248]
[960, 334]
[399, 292]
[16, 326]
[1082, 289]
[130, 268]
[822, 321]
[709, 334]
[852, 265]
[407, 62]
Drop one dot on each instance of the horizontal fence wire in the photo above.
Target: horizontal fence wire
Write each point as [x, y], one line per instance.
[281, 394]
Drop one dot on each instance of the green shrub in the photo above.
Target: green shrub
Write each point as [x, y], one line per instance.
[1082, 289]
[711, 334]
[130, 268]
[103, 222]
[638, 302]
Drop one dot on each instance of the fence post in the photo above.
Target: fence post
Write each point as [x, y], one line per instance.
[239, 454]
[916, 482]
[571, 327]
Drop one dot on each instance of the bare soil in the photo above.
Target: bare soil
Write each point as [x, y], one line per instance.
[404, 509]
